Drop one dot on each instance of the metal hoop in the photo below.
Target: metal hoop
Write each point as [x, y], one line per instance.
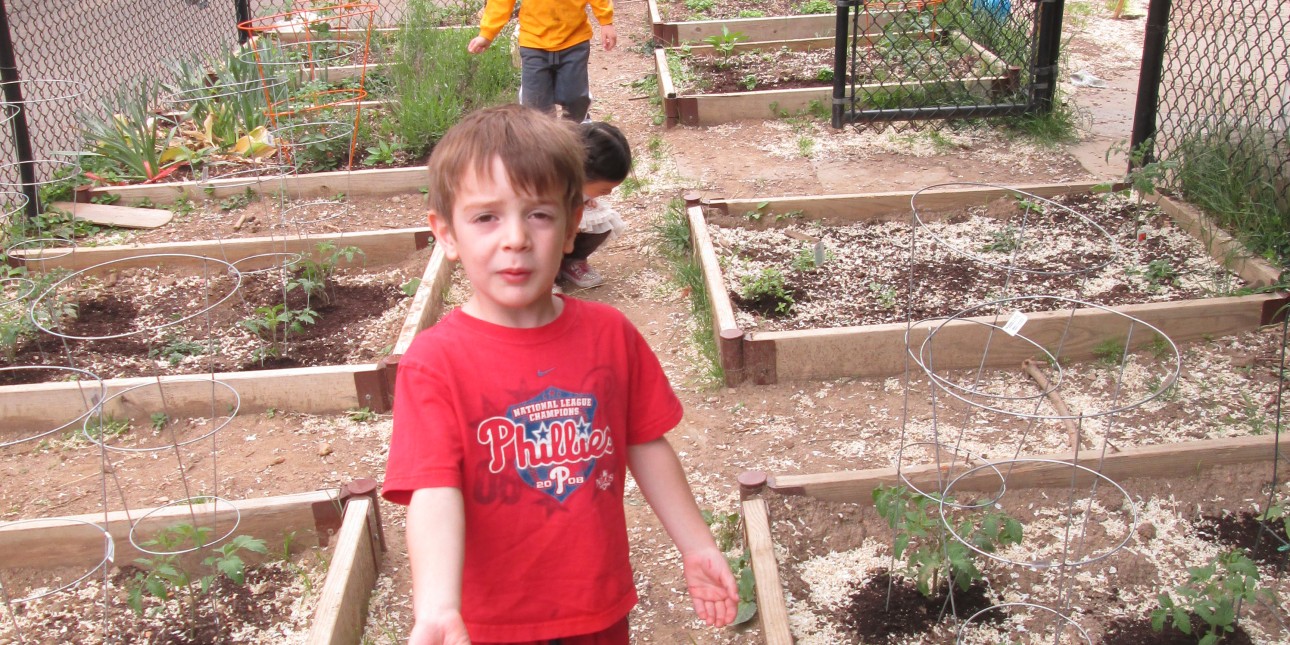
[964, 253]
[109, 553]
[222, 90]
[233, 410]
[958, 638]
[957, 391]
[900, 473]
[24, 287]
[232, 271]
[923, 363]
[95, 399]
[1133, 523]
[292, 259]
[18, 246]
[237, 520]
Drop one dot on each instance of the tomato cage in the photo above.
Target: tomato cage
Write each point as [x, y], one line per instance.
[318, 41]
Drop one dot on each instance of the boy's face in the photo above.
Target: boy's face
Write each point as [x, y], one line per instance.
[599, 188]
[510, 245]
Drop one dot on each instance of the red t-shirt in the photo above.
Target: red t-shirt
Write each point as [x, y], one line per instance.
[532, 425]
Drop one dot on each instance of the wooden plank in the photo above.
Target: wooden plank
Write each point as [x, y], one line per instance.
[379, 247]
[771, 606]
[54, 542]
[359, 35]
[118, 216]
[770, 27]
[377, 182]
[666, 89]
[879, 350]
[1166, 460]
[1225, 250]
[314, 390]
[342, 604]
[894, 205]
[427, 304]
[796, 45]
[715, 109]
[726, 331]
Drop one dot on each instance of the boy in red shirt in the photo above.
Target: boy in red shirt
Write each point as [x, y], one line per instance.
[517, 416]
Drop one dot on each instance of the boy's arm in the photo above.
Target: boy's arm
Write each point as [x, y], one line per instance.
[436, 538]
[496, 14]
[661, 478]
[604, 12]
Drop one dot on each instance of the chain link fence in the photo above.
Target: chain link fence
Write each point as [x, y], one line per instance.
[940, 59]
[73, 57]
[1218, 129]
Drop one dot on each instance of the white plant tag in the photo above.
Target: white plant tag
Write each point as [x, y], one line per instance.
[1015, 322]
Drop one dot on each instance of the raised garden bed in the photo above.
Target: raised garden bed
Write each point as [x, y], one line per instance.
[671, 24]
[329, 388]
[685, 74]
[857, 349]
[818, 547]
[56, 552]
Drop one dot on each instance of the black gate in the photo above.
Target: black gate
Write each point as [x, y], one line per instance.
[940, 59]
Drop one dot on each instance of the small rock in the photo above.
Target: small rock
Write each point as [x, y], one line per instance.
[1147, 531]
[277, 460]
[324, 450]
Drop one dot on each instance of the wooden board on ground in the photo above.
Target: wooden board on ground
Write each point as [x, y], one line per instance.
[118, 216]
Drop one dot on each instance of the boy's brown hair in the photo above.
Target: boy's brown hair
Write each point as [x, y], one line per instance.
[542, 155]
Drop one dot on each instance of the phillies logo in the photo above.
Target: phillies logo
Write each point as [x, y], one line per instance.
[549, 440]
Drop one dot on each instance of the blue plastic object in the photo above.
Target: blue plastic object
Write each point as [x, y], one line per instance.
[998, 9]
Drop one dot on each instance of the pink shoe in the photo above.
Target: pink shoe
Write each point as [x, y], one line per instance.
[580, 274]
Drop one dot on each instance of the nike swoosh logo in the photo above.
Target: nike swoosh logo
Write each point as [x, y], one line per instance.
[542, 373]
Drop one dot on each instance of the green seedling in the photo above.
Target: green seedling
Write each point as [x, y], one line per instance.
[361, 415]
[1109, 352]
[724, 45]
[768, 284]
[1212, 593]
[167, 576]
[928, 549]
[410, 287]
[159, 421]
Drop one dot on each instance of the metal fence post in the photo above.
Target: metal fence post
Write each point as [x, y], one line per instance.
[1047, 51]
[1153, 59]
[243, 15]
[13, 97]
[840, 62]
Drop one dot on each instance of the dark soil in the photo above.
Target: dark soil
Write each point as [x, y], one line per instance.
[1138, 631]
[1261, 541]
[238, 608]
[217, 338]
[677, 11]
[875, 619]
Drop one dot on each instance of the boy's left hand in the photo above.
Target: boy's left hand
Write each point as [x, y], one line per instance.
[711, 586]
[610, 36]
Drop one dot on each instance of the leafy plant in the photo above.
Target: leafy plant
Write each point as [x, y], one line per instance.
[699, 7]
[724, 45]
[725, 529]
[749, 82]
[1002, 241]
[315, 271]
[1161, 272]
[816, 6]
[384, 152]
[274, 324]
[410, 287]
[886, 295]
[361, 415]
[167, 577]
[926, 544]
[809, 259]
[768, 284]
[824, 75]
[177, 349]
[238, 201]
[1211, 593]
[130, 135]
[1109, 352]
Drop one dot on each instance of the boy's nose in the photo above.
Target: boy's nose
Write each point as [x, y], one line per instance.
[516, 233]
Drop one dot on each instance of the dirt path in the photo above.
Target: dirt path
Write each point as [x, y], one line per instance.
[785, 428]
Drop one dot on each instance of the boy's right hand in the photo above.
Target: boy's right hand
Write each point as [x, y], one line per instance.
[478, 44]
[446, 629]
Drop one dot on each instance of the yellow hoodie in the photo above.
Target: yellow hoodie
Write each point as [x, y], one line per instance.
[549, 25]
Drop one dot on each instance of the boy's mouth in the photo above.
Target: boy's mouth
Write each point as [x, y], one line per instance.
[515, 274]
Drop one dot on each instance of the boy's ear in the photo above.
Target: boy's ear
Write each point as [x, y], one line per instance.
[443, 235]
[575, 220]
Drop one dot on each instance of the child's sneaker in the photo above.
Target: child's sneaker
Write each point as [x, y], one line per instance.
[580, 274]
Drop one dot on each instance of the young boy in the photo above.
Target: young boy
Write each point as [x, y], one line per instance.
[517, 415]
[555, 43]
